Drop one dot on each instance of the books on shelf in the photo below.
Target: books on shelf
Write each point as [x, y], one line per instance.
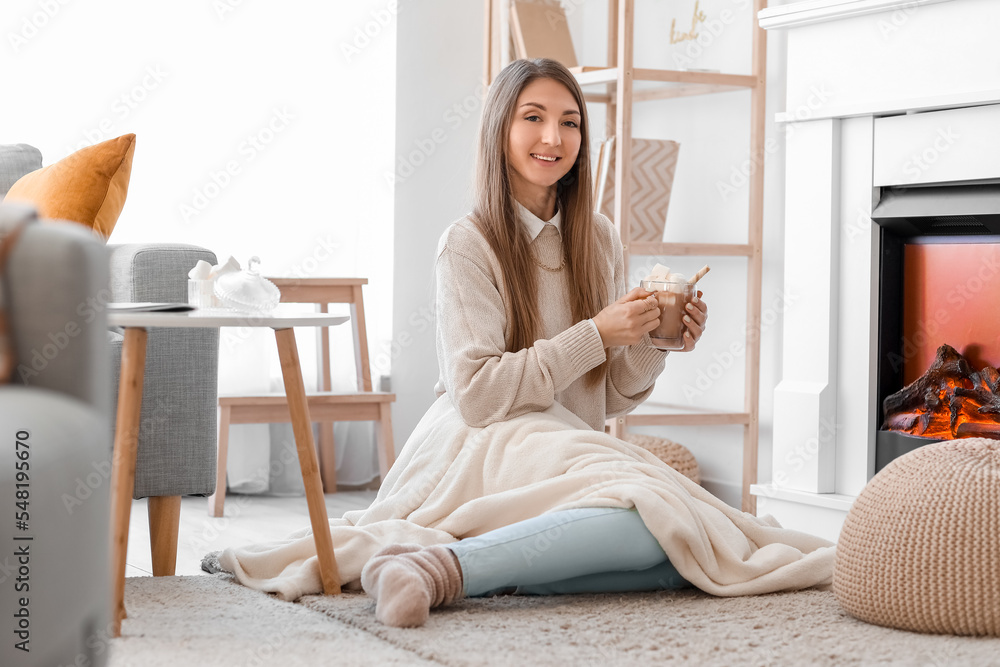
[654, 162]
[539, 30]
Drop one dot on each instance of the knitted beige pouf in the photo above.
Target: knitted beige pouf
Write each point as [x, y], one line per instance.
[674, 455]
[920, 548]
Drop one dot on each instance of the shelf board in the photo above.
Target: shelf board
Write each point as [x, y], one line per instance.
[663, 249]
[672, 91]
[671, 414]
[665, 92]
[591, 76]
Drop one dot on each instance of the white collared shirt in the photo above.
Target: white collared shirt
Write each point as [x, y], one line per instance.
[534, 224]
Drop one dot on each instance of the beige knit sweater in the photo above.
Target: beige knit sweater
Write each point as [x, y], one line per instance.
[486, 382]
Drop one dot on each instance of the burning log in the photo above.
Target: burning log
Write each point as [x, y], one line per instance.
[950, 400]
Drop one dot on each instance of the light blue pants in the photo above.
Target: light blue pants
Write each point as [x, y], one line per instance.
[586, 550]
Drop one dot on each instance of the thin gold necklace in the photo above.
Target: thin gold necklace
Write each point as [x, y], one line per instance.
[549, 268]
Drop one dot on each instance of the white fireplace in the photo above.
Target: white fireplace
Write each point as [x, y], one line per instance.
[879, 93]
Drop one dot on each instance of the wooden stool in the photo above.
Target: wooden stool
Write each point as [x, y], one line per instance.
[325, 407]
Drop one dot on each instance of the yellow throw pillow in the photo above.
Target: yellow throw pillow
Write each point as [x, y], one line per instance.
[88, 186]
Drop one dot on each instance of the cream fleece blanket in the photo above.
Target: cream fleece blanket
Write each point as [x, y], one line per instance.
[452, 481]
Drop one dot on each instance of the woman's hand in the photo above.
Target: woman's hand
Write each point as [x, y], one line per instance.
[694, 322]
[626, 320]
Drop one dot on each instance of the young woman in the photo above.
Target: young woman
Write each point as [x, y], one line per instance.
[508, 482]
[532, 310]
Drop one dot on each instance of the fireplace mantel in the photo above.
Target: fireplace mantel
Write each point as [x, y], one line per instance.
[872, 87]
[806, 12]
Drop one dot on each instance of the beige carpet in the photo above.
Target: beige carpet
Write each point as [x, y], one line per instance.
[210, 620]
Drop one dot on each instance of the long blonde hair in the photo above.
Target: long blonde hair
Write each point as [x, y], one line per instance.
[495, 211]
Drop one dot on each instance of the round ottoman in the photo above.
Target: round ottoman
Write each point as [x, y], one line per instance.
[920, 548]
[674, 455]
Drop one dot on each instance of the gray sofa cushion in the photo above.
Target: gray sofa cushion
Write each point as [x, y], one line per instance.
[16, 160]
[58, 272]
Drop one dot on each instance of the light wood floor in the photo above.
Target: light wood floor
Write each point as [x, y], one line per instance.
[248, 519]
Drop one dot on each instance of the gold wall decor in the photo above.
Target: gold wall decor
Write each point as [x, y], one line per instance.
[697, 17]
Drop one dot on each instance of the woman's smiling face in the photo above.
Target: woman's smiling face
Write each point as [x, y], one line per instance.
[544, 137]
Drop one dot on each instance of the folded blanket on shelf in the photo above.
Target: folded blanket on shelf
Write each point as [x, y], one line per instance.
[452, 481]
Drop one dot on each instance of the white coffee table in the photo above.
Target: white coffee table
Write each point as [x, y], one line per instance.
[130, 403]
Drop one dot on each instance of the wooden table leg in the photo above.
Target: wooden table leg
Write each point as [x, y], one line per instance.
[295, 392]
[133, 369]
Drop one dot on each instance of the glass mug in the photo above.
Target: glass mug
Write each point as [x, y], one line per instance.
[201, 294]
[671, 297]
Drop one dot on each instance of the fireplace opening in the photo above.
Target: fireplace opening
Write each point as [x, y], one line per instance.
[939, 285]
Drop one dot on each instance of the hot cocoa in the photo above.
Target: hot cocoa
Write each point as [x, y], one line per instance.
[671, 297]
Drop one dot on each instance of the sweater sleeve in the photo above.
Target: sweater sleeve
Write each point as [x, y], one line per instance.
[486, 383]
[632, 369]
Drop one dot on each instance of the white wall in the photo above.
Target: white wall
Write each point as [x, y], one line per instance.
[439, 59]
[439, 67]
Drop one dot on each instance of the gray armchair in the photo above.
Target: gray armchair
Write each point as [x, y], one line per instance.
[178, 431]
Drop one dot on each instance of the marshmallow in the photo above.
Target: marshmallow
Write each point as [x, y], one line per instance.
[229, 266]
[662, 273]
[200, 271]
[659, 272]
